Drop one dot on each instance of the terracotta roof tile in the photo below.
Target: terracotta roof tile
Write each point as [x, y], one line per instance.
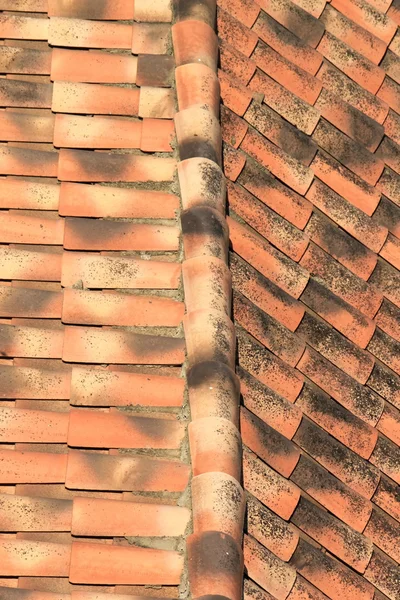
[235, 33]
[235, 63]
[384, 532]
[246, 11]
[385, 278]
[384, 574]
[121, 9]
[389, 184]
[31, 303]
[386, 383]
[391, 126]
[386, 457]
[295, 19]
[252, 591]
[368, 17]
[302, 590]
[17, 467]
[19, 93]
[387, 496]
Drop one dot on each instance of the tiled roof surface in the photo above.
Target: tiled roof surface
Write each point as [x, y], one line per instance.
[311, 128]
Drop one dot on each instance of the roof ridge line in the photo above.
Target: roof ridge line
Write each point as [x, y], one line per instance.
[214, 549]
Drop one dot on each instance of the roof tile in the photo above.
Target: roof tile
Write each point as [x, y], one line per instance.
[25, 60]
[386, 456]
[73, 131]
[391, 126]
[93, 9]
[31, 342]
[387, 279]
[386, 383]
[27, 94]
[246, 11]
[235, 63]
[30, 303]
[235, 33]
[82, 33]
[26, 265]
[314, 7]
[21, 161]
[390, 92]
[302, 590]
[202, 276]
[386, 349]
[388, 319]
[31, 195]
[384, 532]
[194, 42]
[197, 84]
[252, 591]
[384, 574]
[368, 17]
[39, 559]
[15, 228]
[70, 97]
[23, 27]
[92, 67]
[200, 324]
[295, 19]
[389, 184]
[33, 384]
[155, 102]
[389, 423]
[234, 94]
[24, 513]
[387, 496]
[390, 153]
[150, 38]
[19, 425]
[32, 467]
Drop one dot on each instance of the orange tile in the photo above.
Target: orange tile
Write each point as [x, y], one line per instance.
[107, 272]
[234, 95]
[31, 342]
[391, 251]
[388, 319]
[105, 388]
[390, 154]
[390, 93]
[360, 400]
[89, 429]
[96, 345]
[159, 11]
[92, 67]
[92, 9]
[30, 303]
[97, 517]
[86, 234]
[345, 183]
[157, 135]
[215, 446]
[233, 161]
[30, 61]
[204, 325]
[386, 497]
[287, 44]
[30, 195]
[197, 84]
[367, 17]
[382, 573]
[235, 33]
[38, 559]
[89, 34]
[38, 6]
[266, 569]
[156, 103]
[273, 490]
[298, 19]
[69, 97]
[73, 131]
[32, 467]
[25, 94]
[35, 426]
[80, 200]
[24, 513]
[271, 446]
[302, 590]
[21, 229]
[271, 531]
[235, 64]
[24, 28]
[266, 259]
[352, 34]
[244, 10]
[207, 284]
[195, 177]
[386, 458]
[391, 126]
[195, 42]
[198, 133]
[16, 127]
[150, 38]
[389, 184]
[155, 70]
[31, 383]
[204, 233]
[93, 471]
[384, 531]
[292, 77]
[100, 308]
[86, 166]
[28, 265]
[218, 504]
[21, 161]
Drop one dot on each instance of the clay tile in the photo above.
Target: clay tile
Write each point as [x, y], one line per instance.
[344, 317]
[9, 593]
[38, 559]
[236, 64]
[341, 246]
[150, 38]
[271, 531]
[359, 295]
[347, 466]
[105, 388]
[271, 446]
[273, 490]
[224, 399]
[20, 425]
[197, 84]
[195, 10]
[92, 9]
[23, 513]
[155, 103]
[82, 33]
[336, 348]
[299, 17]
[371, 232]
[389, 423]
[388, 319]
[215, 446]
[28, 60]
[284, 272]
[348, 392]
[158, 11]
[284, 201]
[92, 67]
[302, 589]
[30, 303]
[32, 467]
[69, 97]
[387, 497]
[234, 94]
[394, 13]
[384, 531]
[24, 27]
[22, 161]
[89, 429]
[117, 272]
[386, 456]
[102, 517]
[252, 591]
[26, 127]
[348, 545]
[330, 575]
[210, 336]
[198, 133]
[391, 126]
[368, 17]
[235, 33]
[105, 564]
[386, 349]
[391, 251]
[27, 265]
[337, 497]
[233, 128]
[155, 70]
[33, 384]
[390, 93]
[25, 94]
[233, 161]
[267, 569]
[389, 151]
[202, 183]
[215, 565]
[291, 171]
[267, 330]
[288, 44]
[384, 574]
[30, 195]
[31, 342]
[205, 233]
[96, 132]
[265, 294]
[297, 144]
[195, 42]
[386, 383]
[93, 471]
[292, 77]
[387, 280]
[31, 230]
[245, 11]
[207, 283]
[218, 504]
[338, 83]
[96, 345]
[348, 152]
[387, 215]
[353, 34]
